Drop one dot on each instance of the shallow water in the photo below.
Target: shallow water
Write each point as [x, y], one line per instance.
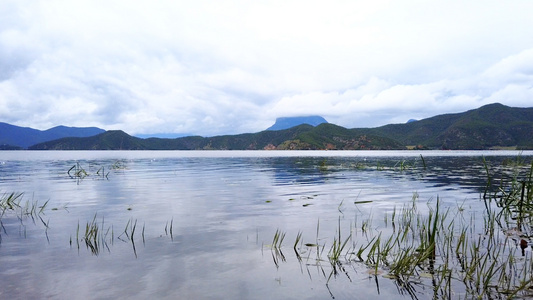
[205, 219]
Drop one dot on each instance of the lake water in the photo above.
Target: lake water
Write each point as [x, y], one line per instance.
[200, 224]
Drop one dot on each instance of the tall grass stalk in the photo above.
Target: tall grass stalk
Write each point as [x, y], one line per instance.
[12, 206]
[450, 254]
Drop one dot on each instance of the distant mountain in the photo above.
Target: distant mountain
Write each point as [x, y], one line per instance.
[303, 137]
[161, 135]
[13, 137]
[491, 126]
[288, 122]
[109, 140]
[9, 147]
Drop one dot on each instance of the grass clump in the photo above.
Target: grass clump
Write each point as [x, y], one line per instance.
[96, 235]
[438, 248]
[12, 206]
[78, 172]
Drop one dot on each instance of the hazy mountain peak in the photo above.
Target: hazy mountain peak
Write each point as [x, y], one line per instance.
[289, 122]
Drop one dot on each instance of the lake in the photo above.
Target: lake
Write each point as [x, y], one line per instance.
[204, 224]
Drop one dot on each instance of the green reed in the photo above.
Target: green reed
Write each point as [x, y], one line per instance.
[12, 205]
[97, 235]
[77, 171]
[443, 249]
[277, 241]
[169, 228]
[337, 246]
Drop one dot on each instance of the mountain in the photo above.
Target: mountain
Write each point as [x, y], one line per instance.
[288, 122]
[162, 135]
[12, 136]
[493, 125]
[303, 137]
[488, 127]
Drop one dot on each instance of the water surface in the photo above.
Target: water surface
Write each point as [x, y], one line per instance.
[205, 219]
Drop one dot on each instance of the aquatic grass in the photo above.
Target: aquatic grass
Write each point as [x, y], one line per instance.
[118, 165]
[142, 233]
[339, 208]
[514, 201]
[402, 165]
[423, 162]
[363, 248]
[168, 228]
[92, 236]
[297, 240]
[171, 228]
[97, 235]
[337, 246]
[77, 171]
[129, 231]
[101, 172]
[442, 249]
[11, 201]
[363, 202]
[277, 241]
[275, 247]
[12, 205]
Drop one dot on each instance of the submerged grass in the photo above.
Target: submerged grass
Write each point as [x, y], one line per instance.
[12, 205]
[438, 248]
[99, 236]
[78, 172]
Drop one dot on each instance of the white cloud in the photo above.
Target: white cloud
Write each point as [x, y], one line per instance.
[517, 68]
[205, 67]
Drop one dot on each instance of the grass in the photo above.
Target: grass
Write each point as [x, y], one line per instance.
[78, 172]
[93, 237]
[438, 247]
[12, 205]
[96, 235]
[169, 229]
[430, 248]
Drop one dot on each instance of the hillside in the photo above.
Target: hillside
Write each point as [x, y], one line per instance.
[324, 136]
[15, 137]
[493, 125]
[109, 140]
[488, 127]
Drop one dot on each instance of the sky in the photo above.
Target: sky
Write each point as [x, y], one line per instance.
[227, 67]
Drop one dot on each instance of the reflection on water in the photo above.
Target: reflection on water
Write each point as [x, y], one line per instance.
[199, 225]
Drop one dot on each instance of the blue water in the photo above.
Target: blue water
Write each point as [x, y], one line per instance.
[204, 220]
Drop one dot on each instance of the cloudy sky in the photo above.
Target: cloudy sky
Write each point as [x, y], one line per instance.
[227, 67]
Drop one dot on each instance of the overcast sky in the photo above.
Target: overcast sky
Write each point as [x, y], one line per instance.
[227, 67]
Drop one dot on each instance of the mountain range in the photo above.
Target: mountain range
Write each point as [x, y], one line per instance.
[493, 126]
[15, 137]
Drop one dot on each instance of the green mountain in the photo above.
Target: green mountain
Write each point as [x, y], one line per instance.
[491, 126]
[324, 136]
[109, 140]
